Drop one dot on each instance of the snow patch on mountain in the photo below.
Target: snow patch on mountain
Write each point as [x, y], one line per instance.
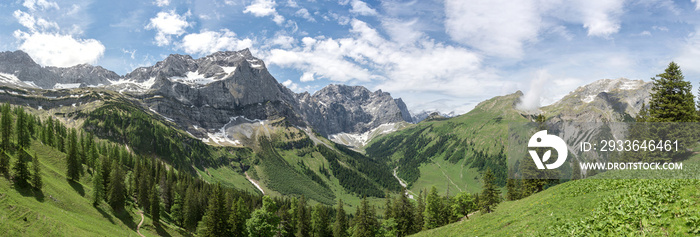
[361, 139]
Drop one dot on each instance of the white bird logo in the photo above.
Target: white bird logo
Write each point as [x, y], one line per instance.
[542, 139]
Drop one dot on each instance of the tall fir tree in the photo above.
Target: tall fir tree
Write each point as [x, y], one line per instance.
[176, 210]
[432, 217]
[72, 160]
[155, 205]
[98, 188]
[6, 127]
[239, 214]
[303, 223]
[191, 209]
[403, 215]
[420, 209]
[116, 192]
[366, 223]
[215, 221]
[22, 175]
[36, 173]
[490, 194]
[671, 98]
[319, 221]
[21, 129]
[340, 227]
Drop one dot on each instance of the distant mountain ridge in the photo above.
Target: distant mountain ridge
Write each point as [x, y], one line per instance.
[203, 95]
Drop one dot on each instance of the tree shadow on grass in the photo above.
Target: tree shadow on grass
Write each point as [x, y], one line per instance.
[104, 213]
[160, 230]
[38, 194]
[125, 218]
[77, 187]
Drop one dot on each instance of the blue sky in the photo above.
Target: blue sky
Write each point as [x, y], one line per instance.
[446, 55]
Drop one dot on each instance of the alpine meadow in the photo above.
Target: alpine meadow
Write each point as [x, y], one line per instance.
[349, 118]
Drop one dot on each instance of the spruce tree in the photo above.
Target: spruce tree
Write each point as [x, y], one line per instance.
[6, 127]
[671, 97]
[36, 173]
[98, 189]
[21, 129]
[319, 221]
[263, 222]
[191, 210]
[73, 164]
[431, 215]
[420, 208]
[155, 205]
[116, 192]
[340, 227]
[22, 174]
[303, 222]
[176, 210]
[239, 215]
[366, 223]
[215, 221]
[403, 215]
[490, 194]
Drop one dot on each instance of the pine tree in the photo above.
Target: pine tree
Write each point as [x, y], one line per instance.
[21, 129]
[6, 127]
[366, 223]
[116, 193]
[303, 222]
[431, 215]
[238, 217]
[155, 205]
[36, 174]
[420, 209]
[403, 215]
[319, 221]
[340, 226]
[215, 221]
[388, 207]
[98, 189]
[22, 174]
[176, 210]
[490, 194]
[4, 162]
[513, 189]
[671, 97]
[191, 210]
[73, 164]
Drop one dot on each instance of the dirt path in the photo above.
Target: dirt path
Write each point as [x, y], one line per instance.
[448, 177]
[403, 184]
[138, 228]
[254, 183]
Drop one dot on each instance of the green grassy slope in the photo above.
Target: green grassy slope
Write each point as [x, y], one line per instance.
[451, 152]
[601, 205]
[63, 208]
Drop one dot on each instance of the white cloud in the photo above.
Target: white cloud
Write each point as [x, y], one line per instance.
[283, 41]
[51, 49]
[25, 19]
[261, 8]
[532, 99]
[162, 3]
[207, 42]
[361, 8]
[601, 17]
[307, 76]
[697, 4]
[425, 67]
[305, 14]
[503, 28]
[403, 32]
[167, 24]
[689, 53]
[292, 3]
[497, 27]
[43, 4]
[294, 86]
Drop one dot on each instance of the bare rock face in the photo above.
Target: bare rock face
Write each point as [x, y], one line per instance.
[350, 109]
[605, 100]
[84, 74]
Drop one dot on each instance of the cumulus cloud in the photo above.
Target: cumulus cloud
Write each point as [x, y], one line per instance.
[697, 4]
[262, 8]
[502, 28]
[162, 3]
[367, 56]
[166, 25]
[52, 49]
[207, 42]
[303, 13]
[361, 8]
[40, 5]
